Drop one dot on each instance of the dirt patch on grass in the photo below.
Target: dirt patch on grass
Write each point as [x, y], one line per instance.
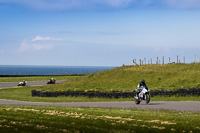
[162, 122]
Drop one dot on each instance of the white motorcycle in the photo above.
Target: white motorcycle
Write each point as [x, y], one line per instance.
[23, 83]
[142, 94]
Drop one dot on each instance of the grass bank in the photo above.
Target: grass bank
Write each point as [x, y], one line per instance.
[54, 119]
[126, 78]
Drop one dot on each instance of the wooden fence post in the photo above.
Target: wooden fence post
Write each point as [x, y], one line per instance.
[157, 61]
[163, 60]
[177, 59]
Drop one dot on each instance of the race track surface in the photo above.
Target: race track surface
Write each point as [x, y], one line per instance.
[186, 106]
[30, 83]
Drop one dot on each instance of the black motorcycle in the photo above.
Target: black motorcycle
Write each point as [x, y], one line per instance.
[51, 81]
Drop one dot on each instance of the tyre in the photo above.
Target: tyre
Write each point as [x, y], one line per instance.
[147, 98]
[137, 100]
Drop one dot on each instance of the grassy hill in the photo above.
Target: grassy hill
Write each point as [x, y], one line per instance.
[126, 78]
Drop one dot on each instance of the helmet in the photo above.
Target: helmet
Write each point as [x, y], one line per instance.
[143, 81]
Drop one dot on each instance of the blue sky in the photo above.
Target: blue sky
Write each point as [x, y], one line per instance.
[97, 32]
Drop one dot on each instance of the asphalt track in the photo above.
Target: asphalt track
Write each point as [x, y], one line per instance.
[186, 106]
[29, 83]
[183, 106]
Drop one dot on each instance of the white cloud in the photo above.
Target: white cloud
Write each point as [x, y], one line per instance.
[67, 4]
[28, 46]
[177, 4]
[147, 2]
[115, 3]
[24, 47]
[41, 47]
[182, 3]
[52, 5]
[33, 45]
[40, 38]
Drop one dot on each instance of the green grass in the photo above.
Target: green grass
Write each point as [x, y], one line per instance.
[59, 119]
[24, 94]
[169, 77]
[35, 78]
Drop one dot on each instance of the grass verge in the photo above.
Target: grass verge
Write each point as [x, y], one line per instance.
[24, 94]
[59, 119]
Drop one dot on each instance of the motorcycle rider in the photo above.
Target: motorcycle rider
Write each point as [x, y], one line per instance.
[142, 93]
[24, 82]
[144, 87]
[52, 80]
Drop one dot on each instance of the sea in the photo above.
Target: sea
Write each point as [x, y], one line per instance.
[50, 70]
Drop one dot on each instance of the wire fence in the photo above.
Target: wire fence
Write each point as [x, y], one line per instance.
[162, 61]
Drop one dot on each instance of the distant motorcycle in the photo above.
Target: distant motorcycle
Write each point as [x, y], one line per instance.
[142, 95]
[51, 81]
[23, 83]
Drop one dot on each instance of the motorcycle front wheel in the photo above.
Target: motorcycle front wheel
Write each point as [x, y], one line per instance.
[137, 100]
